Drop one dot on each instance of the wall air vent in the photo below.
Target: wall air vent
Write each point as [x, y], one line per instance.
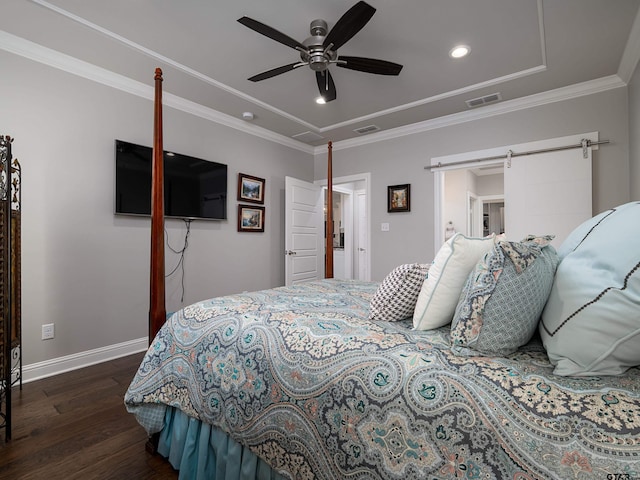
[367, 129]
[487, 99]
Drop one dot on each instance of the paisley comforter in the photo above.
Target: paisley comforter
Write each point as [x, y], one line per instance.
[301, 376]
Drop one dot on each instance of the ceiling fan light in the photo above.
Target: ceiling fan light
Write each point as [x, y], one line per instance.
[459, 51]
[320, 100]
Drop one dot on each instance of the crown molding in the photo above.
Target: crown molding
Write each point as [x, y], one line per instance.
[52, 58]
[460, 91]
[44, 55]
[311, 127]
[435, 98]
[552, 96]
[631, 54]
[168, 61]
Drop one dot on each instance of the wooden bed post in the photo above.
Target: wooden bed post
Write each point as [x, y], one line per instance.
[157, 309]
[328, 258]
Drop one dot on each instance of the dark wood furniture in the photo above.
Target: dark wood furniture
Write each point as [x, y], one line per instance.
[10, 287]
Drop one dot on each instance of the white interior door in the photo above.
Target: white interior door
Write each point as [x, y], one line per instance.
[547, 194]
[362, 237]
[304, 220]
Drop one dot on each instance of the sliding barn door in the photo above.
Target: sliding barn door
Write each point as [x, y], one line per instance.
[304, 231]
[547, 193]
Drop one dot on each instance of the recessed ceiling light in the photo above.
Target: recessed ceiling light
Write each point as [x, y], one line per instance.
[459, 51]
[320, 101]
[248, 116]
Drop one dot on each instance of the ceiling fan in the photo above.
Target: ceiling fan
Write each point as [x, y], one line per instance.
[321, 49]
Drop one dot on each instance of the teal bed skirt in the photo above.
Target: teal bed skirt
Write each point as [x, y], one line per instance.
[202, 452]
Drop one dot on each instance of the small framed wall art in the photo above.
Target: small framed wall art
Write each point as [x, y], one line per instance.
[399, 198]
[250, 218]
[250, 188]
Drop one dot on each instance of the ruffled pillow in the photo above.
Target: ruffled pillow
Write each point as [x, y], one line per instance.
[503, 298]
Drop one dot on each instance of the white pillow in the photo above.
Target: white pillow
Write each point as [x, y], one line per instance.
[441, 290]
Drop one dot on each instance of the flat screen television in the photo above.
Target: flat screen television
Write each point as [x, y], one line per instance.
[193, 188]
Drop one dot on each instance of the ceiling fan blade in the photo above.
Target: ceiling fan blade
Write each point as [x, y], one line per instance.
[326, 86]
[349, 24]
[272, 33]
[369, 65]
[275, 71]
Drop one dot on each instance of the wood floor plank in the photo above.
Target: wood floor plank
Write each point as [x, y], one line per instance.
[75, 426]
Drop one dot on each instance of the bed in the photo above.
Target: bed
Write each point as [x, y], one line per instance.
[301, 382]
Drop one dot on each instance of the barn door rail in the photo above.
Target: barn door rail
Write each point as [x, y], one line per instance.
[584, 145]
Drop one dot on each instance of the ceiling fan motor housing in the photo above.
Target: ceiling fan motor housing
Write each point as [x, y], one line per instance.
[318, 28]
[317, 57]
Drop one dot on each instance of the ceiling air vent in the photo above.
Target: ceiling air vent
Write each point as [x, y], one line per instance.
[487, 99]
[308, 137]
[367, 129]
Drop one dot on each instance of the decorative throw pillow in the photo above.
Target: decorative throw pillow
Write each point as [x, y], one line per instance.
[503, 298]
[591, 323]
[396, 296]
[440, 292]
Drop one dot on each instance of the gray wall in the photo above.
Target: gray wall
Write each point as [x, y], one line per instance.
[85, 269]
[634, 135]
[490, 184]
[402, 160]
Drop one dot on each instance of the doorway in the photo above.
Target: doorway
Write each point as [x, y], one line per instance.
[467, 194]
[304, 238]
[492, 208]
[352, 256]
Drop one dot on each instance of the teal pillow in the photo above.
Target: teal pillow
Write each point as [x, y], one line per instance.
[591, 323]
[503, 298]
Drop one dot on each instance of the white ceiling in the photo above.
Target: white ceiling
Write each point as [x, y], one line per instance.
[518, 48]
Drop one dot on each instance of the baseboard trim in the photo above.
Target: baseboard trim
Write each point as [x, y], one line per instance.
[56, 366]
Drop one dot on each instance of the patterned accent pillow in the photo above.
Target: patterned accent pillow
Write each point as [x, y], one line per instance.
[503, 298]
[397, 294]
[591, 323]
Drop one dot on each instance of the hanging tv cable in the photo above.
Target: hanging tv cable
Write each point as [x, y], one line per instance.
[180, 252]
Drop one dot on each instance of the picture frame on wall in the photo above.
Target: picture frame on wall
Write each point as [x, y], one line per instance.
[250, 218]
[399, 198]
[250, 188]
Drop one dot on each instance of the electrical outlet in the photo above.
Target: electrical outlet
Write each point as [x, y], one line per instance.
[384, 227]
[48, 331]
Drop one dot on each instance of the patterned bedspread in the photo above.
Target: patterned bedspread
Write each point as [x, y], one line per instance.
[299, 375]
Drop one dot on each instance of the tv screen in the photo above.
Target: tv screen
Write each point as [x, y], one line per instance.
[193, 188]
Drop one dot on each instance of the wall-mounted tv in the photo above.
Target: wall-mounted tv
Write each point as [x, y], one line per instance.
[193, 188]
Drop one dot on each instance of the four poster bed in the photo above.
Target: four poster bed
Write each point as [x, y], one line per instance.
[314, 381]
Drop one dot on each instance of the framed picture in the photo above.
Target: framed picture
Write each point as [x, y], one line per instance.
[250, 189]
[250, 218]
[399, 198]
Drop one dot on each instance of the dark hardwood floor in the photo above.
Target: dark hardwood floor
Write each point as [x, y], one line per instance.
[75, 426]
